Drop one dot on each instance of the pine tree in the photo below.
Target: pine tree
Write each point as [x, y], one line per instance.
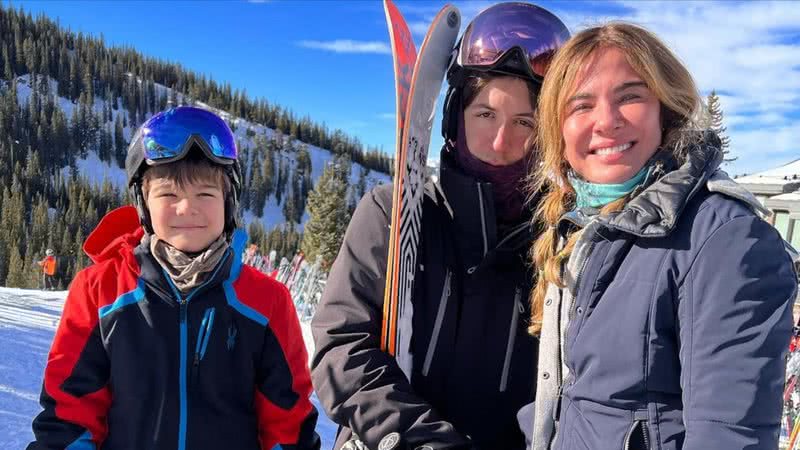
[12, 222]
[715, 123]
[120, 146]
[361, 186]
[327, 208]
[8, 68]
[268, 172]
[74, 80]
[291, 207]
[4, 257]
[81, 261]
[33, 273]
[256, 233]
[40, 223]
[16, 269]
[257, 190]
[304, 169]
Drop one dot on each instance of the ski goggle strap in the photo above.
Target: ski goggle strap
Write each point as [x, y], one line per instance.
[167, 136]
[534, 31]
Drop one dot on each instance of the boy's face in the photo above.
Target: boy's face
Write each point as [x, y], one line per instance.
[188, 218]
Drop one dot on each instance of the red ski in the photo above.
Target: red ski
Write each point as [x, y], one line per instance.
[413, 140]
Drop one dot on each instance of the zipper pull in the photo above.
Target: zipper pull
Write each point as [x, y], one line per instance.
[557, 406]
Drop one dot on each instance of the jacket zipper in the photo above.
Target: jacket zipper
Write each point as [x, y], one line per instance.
[203, 335]
[645, 434]
[437, 326]
[184, 338]
[182, 374]
[483, 220]
[512, 336]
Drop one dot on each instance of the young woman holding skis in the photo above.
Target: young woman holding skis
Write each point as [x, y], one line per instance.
[473, 360]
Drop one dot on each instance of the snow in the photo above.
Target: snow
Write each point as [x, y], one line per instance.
[28, 320]
[788, 197]
[96, 171]
[788, 173]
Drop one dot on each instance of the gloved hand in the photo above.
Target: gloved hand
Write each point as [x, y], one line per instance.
[354, 444]
[393, 441]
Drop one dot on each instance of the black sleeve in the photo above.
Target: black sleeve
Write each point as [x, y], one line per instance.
[361, 387]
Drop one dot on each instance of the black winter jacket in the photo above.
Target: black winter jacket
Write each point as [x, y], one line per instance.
[473, 361]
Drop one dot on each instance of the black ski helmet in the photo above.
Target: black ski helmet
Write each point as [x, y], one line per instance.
[187, 141]
[512, 38]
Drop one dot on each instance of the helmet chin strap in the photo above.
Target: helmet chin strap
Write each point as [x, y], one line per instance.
[141, 207]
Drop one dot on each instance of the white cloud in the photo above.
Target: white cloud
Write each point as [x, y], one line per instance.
[387, 116]
[419, 28]
[348, 46]
[743, 121]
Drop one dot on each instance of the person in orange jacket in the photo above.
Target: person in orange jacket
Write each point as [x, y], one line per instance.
[48, 265]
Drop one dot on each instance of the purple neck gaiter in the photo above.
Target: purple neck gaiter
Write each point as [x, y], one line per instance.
[507, 181]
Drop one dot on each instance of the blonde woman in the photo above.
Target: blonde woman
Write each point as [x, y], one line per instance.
[663, 301]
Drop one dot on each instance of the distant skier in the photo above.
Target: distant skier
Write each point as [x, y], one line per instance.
[48, 265]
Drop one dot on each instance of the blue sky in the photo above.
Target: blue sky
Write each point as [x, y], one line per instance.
[330, 60]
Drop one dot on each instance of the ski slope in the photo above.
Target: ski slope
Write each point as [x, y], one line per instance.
[28, 321]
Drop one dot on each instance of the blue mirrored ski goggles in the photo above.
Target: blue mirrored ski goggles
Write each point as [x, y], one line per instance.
[169, 135]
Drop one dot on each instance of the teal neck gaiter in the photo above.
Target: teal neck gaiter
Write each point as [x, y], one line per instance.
[597, 195]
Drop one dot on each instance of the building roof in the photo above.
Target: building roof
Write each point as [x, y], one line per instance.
[785, 178]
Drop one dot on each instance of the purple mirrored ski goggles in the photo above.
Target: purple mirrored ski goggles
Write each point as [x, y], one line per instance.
[533, 32]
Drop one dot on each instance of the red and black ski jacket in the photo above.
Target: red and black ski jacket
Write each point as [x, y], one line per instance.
[137, 365]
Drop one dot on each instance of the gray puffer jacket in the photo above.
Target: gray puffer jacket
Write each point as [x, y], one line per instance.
[673, 326]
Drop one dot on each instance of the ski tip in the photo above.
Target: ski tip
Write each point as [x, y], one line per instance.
[450, 15]
[453, 18]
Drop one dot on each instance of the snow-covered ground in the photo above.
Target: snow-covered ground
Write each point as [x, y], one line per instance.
[28, 320]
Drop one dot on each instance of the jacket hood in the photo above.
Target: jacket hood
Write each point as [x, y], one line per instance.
[118, 230]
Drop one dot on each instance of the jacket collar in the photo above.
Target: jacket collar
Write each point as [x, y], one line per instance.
[471, 208]
[227, 269]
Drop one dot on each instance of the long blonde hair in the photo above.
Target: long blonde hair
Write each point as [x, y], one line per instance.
[664, 75]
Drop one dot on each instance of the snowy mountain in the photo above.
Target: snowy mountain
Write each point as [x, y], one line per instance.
[28, 320]
[246, 132]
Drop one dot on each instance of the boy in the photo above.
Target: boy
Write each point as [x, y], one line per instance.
[168, 341]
